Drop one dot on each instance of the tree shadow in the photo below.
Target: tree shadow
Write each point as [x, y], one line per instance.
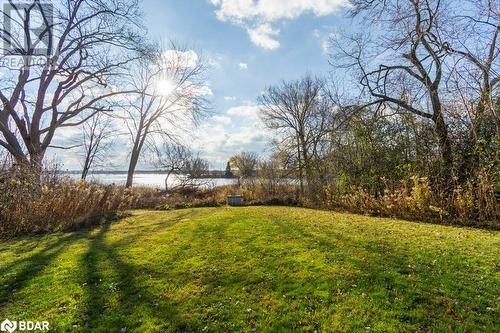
[390, 278]
[117, 294]
[379, 277]
[20, 272]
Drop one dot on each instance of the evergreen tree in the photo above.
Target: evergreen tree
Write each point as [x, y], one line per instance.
[229, 173]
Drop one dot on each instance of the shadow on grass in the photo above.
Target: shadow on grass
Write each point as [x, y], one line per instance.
[117, 295]
[420, 294]
[20, 272]
[269, 271]
[373, 283]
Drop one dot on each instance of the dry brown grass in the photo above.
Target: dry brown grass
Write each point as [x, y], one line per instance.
[31, 206]
[469, 205]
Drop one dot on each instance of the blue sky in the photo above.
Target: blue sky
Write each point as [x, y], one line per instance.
[250, 45]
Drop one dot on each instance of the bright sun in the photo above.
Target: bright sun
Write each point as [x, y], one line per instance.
[166, 87]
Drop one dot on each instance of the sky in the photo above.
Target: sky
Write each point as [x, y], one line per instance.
[249, 45]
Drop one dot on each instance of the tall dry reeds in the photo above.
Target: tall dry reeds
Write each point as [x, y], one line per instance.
[31, 204]
[472, 204]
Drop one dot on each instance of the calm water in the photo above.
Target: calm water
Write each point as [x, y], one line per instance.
[156, 180]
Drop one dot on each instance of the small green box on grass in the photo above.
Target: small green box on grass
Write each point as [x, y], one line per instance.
[234, 200]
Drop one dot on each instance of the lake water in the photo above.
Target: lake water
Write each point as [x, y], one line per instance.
[156, 180]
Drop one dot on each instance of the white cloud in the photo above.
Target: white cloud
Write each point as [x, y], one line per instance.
[217, 139]
[217, 142]
[324, 36]
[245, 111]
[215, 60]
[194, 89]
[263, 36]
[258, 16]
[222, 120]
[229, 98]
[325, 46]
[205, 91]
[239, 129]
[243, 66]
[273, 10]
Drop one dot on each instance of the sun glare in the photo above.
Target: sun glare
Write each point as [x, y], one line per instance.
[166, 87]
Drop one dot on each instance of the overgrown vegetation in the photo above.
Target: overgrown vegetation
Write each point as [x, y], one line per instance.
[410, 127]
[57, 203]
[34, 204]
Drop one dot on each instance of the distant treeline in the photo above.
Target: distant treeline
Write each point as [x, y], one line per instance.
[210, 174]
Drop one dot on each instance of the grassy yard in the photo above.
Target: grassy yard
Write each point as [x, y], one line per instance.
[255, 269]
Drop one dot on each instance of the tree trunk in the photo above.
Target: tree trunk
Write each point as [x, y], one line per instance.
[166, 180]
[84, 173]
[306, 163]
[301, 173]
[445, 149]
[36, 163]
[86, 167]
[136, 151]
[131, 168]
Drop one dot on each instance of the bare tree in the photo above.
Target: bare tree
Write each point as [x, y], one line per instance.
[272, 175]
[472, 40]
[472, 34]
[301, 114]
[172, 95]
[96, 143]
[409, 57]
[172, 158]
[245, 165]
[423, 44]
[194, 173]
[87, 45]
[196, 168]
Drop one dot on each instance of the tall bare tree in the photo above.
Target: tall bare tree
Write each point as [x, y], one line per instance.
[472, 37]
[195, 170]
[436, 59]
[472, 32]
[403, 66]
[65, 76]
[301, 114]
[172, 95]
[96, 142]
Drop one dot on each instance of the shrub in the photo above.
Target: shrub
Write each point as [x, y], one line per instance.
[29, 208]
[29, 204]
[467, 205]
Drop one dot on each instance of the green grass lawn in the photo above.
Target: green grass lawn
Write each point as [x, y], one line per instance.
[255, 269]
